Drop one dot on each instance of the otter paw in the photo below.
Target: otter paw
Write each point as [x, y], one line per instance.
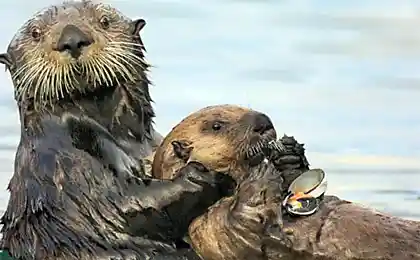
[197, 173]
[291, 154]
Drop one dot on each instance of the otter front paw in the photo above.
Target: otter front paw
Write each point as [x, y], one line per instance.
[291, 154]
[197, 173]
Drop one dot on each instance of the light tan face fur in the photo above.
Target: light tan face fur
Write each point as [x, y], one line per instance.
[216, 136]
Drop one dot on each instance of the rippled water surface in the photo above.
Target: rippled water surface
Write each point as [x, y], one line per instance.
[341, 76]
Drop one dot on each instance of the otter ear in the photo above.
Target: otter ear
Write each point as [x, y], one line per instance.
[182, 149]
[5, 59]
[138, 24]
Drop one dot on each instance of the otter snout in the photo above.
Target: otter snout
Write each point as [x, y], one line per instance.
[260, 122]
[73, 40]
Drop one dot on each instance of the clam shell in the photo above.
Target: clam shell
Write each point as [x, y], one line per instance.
[312, 182]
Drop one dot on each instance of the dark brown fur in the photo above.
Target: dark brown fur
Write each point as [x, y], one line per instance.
[250, 224]
[66, 202]
[223, 150]
[234, 228]
[342, 230]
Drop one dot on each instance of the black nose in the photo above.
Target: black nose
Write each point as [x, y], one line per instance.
[262, 123]
[73, 40]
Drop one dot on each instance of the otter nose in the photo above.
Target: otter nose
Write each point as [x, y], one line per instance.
[262, 123]
[72, 40]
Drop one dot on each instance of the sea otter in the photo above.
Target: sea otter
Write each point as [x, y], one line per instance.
[82, 61]
[250, 224]
[228, 139]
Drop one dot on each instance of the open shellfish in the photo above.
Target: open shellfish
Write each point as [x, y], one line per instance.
[305, 193]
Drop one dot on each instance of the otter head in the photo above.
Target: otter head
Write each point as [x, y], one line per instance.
[223, 138]
[70, 50]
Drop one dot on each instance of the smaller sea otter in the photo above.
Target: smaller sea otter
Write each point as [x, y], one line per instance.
[250, 223]
[227, 139]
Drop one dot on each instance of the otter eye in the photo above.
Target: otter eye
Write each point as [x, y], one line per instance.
[104, 22]
[216, 126]
[36, 33]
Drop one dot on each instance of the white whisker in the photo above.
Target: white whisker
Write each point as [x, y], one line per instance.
[46, 82]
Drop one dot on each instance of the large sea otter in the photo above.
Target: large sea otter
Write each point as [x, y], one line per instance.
[83, 61]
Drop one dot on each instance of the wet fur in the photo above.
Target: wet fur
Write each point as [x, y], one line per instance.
[92, 137]
[250, 224]
[342, 230]
[234, 228]
[66, 199]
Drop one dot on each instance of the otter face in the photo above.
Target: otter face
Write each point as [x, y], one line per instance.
[74, 48]
[223, 138]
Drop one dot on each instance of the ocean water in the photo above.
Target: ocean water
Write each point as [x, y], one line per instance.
[341, 76]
